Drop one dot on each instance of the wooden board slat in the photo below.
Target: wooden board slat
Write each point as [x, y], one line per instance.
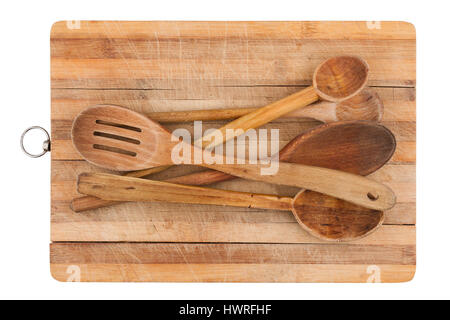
[188, 49]
[150, 74]
[355, 30]
[175, 253]
[233, 272]
[216, 231]
[169, 66]
[67, 103]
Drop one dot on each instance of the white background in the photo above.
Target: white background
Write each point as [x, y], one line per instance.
[25, 182]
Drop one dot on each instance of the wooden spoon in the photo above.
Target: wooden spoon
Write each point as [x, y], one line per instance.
[366, 105]
[336, 79]
[120, 139]
[324, 217]
[357, 147]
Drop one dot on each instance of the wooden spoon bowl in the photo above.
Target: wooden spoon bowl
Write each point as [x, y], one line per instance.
[332, 219]
[366, 105]
[359, 147]
[340, 78]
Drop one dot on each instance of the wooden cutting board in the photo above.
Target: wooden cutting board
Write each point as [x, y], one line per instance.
[168, 66]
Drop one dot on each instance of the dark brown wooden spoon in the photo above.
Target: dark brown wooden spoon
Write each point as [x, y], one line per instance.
[356, 147]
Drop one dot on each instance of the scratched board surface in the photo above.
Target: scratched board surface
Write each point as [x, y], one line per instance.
[169, 66]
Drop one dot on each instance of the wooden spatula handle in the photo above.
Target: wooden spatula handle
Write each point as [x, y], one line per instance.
[119, 188]
[342, 185]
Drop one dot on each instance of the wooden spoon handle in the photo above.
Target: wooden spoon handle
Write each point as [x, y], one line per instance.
[197, 179]
[120, 188]
[263, 115]
[342, 185]
[85, 203]
[202, 178]
[199, 115]
[322, 111]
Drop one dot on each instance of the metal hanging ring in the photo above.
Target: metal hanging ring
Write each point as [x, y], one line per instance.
[45, 144]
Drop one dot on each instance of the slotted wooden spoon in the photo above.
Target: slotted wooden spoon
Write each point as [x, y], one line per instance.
[324, 217]
[357, 147]
[366, 105]
[120, 139]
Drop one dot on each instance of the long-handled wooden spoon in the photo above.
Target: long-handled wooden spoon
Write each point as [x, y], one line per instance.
[120, 139]
[322, 216]
[357, 147]
[336, 79]
[366, 105]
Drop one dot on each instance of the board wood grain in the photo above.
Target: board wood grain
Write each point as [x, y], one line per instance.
[233, 272]
[171, 66]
